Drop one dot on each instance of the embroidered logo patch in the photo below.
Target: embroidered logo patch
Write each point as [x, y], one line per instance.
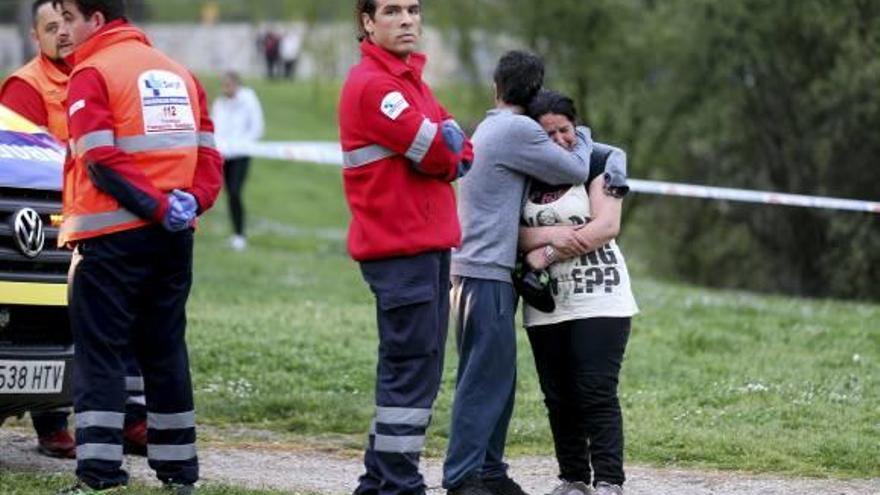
[393, 105]
[165, 103]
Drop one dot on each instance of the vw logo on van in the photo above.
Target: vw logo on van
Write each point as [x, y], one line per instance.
[27, 230]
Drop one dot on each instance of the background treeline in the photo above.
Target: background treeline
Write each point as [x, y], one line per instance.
[777, 95]
[780, 95]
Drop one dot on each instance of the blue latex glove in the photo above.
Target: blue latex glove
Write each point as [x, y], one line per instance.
[453, 136]
[189, 201]
[177, 216]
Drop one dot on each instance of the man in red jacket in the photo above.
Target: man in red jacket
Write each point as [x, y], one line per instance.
[401, 151]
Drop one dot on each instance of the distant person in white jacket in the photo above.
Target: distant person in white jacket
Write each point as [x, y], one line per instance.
[238, 122]
[290, 48]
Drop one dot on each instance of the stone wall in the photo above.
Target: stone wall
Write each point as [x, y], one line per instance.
[327, 51]
[10, 48]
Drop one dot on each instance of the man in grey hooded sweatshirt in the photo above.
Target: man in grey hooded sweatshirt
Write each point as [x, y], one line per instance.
[509, 148]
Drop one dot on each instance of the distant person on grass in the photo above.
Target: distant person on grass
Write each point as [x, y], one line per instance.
[270, 44]
[238, 122]
[289, 51]
[509, 148]
[401, 150]
[579, 346]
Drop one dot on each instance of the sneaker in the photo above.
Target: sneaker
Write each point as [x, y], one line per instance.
[503, 486]
[604, 488]
[472, 485]
[572, 488]
[238, 243]
[134, 438]
[58, 444]
[81, 488]
[180, 489]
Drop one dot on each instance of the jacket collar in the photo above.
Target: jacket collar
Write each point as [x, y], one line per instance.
[414, 64]
[114, 32]
[57, 72]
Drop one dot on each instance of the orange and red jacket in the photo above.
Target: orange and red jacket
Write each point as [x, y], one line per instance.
[139, 128]
[397, 165]
[37, 92]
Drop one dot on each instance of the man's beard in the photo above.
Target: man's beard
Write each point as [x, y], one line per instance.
[56, 56]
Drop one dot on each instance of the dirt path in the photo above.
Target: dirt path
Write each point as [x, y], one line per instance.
[319, 472]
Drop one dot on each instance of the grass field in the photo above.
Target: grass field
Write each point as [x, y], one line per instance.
[21, 484]
[282, 337]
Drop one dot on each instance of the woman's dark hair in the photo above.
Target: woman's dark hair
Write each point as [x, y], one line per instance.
[549, 101]
[111, 9]
[518, 77]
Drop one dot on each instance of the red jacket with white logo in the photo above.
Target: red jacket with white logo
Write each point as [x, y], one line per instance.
[398, 166]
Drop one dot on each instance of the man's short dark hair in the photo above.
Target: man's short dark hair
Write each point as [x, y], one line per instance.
[111, 9]
[518, 77]
[36, 6]
[363, 7]
[549, 101]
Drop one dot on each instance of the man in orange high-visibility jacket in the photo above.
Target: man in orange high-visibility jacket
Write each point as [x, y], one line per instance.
[141, 167]
[37, 92]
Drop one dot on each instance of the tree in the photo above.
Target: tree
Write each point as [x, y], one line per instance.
[789, 104]
[774, 95]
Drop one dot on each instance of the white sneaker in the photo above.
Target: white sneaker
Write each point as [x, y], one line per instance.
[572, 488]
[604, 488]
[238, 243]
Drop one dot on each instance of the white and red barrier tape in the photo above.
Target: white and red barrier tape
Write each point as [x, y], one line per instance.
[744, 195]
[329, 153]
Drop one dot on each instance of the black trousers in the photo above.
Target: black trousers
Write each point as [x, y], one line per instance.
[48, 422]
[234, 174]
[578, 366]
[128, 291]
[289, 68]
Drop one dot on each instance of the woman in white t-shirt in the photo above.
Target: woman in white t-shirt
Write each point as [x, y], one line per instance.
[579, 346]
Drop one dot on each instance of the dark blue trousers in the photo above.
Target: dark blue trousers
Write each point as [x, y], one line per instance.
[128, 291]
[484, 312]
[412, 310]
[48, 422]
[135, 402]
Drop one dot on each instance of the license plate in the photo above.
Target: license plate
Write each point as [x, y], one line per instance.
[31, 377]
